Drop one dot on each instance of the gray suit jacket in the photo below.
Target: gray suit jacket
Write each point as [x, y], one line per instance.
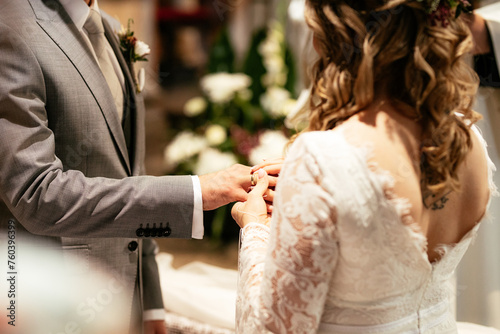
[66, 173]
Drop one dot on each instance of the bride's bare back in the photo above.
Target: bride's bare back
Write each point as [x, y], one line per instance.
[444, 220]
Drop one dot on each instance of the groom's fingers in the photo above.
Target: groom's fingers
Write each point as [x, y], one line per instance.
[262, 184]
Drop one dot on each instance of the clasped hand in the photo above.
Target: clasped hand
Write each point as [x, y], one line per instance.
[258, 206]
[233, 185]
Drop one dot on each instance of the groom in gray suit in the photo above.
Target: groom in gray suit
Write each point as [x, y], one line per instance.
[72, 145]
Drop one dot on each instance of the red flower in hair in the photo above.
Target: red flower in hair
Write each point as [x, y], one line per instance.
[445, 10]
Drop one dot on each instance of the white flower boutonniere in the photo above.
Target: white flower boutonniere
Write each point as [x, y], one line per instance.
[134, 50]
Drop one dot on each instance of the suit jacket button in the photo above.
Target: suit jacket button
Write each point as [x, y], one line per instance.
[132, 246]
[139, 232]
[167, 232]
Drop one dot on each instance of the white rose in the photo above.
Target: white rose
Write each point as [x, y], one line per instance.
[184, 146]
[274, 64]
[215, 135]
[221, 87]
[271, 145]
[277, 33]
[141, 49]
[274, 79]
[276, 101]
[212, 160]
[269, 47]
[195, 106]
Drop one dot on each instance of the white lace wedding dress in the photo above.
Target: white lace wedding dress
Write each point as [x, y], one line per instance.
[367, 273]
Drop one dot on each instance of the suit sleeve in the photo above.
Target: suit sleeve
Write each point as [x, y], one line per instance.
[48, 199]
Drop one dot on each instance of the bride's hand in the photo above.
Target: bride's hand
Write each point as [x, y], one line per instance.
[273, 169]
[255, 209]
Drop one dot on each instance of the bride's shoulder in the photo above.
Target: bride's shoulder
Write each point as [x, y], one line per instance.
[319, 139]
[323, 147]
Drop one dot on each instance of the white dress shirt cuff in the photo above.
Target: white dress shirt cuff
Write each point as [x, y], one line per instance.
[152, 315]
[198, 228]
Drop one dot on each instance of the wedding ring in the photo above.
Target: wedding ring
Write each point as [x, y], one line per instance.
[253, 179]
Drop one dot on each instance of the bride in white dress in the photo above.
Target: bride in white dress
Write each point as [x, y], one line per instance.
[382, 195]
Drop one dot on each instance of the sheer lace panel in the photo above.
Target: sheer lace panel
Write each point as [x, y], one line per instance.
[301, 257]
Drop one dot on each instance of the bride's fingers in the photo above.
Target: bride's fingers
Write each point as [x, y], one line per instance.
[255, 208]
[273, 170]
[269, 195]
[273, 181]
[272, 166]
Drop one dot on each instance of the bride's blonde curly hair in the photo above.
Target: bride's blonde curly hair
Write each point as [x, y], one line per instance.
[369, 47]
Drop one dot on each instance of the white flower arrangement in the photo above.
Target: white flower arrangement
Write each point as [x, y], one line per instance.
[212, 160]
[195, 106]
[215, 135]
[239, 118]
[272, 145]
[184, 146]
[222, 87]
[272, 52]
[277, 102]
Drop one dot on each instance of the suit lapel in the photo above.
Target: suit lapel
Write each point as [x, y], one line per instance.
[56, 23]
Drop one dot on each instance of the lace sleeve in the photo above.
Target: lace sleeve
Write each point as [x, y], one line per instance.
[284, 273]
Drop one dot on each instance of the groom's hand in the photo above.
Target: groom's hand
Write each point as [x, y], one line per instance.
[226, 186]
[255, 209]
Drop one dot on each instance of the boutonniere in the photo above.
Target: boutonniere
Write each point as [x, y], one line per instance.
[134, 50]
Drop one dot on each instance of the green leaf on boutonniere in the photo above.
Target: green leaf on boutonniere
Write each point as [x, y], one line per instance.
[132, 49]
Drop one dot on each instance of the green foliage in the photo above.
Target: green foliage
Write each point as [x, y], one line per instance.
[254, 65]
[241, 107]
[221, 58]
